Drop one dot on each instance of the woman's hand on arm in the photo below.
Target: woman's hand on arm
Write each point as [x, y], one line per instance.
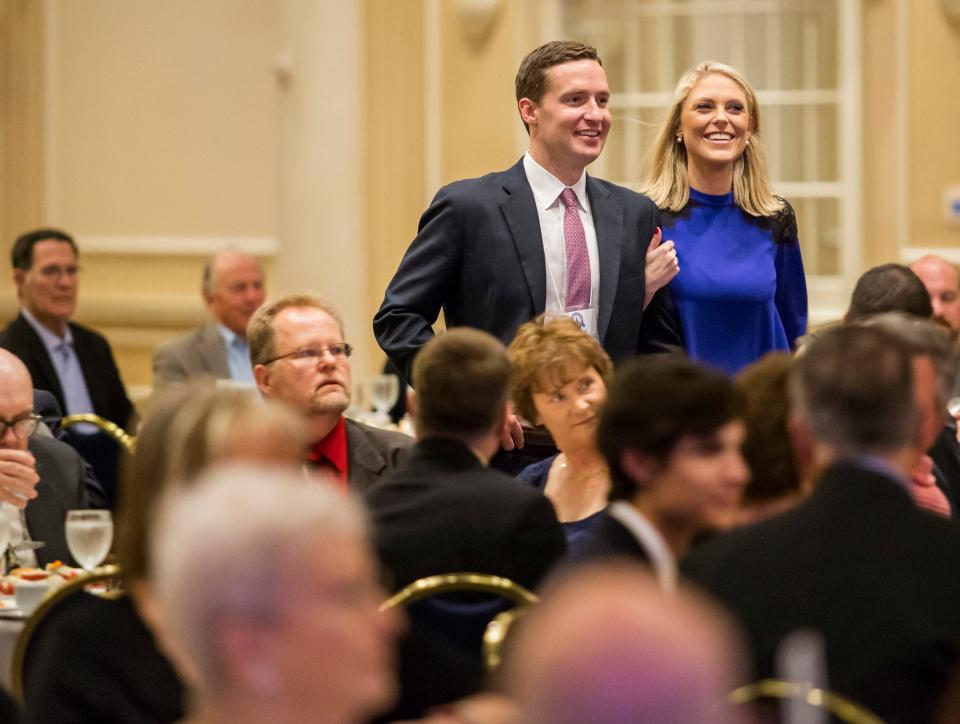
[661, 266]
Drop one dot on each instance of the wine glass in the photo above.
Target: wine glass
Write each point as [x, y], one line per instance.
[383, 394]
[89, 535]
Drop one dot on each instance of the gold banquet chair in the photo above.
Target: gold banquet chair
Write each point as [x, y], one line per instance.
[119, 435]
[839, 707]
[103, 450]
[477, 626]
[109, 575]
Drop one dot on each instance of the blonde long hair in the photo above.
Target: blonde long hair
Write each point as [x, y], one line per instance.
[666, 180]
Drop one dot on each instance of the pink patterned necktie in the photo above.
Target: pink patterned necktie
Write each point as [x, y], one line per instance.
[578, 260]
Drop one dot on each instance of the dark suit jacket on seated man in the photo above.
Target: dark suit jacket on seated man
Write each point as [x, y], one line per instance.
[232, 291]
[42, 475]
[443, 510]
[71, 361]
[494, 252]
[300, 358]
[858, 562]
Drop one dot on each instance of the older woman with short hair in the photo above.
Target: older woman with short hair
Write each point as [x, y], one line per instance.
[279, 619]
[559, 380]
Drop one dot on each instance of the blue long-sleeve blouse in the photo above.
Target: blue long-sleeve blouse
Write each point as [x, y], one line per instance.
[741, 290]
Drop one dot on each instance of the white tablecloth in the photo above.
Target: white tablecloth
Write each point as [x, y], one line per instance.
[9, 632]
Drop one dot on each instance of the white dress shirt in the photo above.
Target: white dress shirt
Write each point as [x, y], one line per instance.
[546, 193]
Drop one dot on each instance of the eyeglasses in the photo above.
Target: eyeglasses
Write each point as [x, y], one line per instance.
[55, 271]
[312, 355]
[23, 427]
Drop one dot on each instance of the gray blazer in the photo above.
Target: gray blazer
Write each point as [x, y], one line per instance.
[371, 453]
[197, 353]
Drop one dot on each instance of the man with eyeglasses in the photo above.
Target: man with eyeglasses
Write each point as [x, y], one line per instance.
[39, 475]
[300, 357]
[70, 360]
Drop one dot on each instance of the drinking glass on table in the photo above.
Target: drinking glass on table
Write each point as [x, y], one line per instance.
[89, 535]
[384, 390]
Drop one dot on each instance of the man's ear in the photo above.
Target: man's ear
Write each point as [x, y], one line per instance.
[801, 443]
[261, 374]
[528, 111]
[639, 467]
[412, 402]
[18, 276]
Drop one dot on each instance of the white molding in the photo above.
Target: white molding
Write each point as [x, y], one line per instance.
[51, 205]
[767, 97]
[849, 40]
[432, 102]
[176, 245]
[910, 254]
[901, 176]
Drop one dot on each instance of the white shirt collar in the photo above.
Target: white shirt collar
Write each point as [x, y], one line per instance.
[662, 560]
[50, 340]
[547, 188]
[229, 336]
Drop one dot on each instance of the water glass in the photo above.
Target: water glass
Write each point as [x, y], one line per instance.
[89, 535]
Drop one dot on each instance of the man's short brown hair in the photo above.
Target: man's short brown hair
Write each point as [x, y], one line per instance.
[260, 332]
[461, 380]
[531, 80]
[544, 352]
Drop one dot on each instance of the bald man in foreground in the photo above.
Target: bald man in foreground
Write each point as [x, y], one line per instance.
[233, 289]
[41, 475]
[605, 645]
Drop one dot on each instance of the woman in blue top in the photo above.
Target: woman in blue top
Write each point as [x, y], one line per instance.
[740, 291]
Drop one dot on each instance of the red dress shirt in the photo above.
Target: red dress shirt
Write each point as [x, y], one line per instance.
[330, 454]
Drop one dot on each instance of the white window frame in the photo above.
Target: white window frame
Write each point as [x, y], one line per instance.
[828, 294]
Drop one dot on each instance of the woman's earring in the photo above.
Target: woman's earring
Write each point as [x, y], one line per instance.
[680, 138]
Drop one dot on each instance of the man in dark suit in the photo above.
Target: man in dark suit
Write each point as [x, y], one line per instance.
[45, 477]
[71, 361]
[494, 252]
[300, 357]
[232, 291]
[443, 510]
[858, 562]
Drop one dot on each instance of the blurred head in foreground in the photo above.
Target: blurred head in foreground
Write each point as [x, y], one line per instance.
[186, 430]
[278, 619]
[605, 645]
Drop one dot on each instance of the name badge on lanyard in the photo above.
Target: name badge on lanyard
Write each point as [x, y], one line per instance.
[586, 319]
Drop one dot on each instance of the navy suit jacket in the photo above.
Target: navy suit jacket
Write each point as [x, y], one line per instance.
[107, 393]
[479, 257]
[442, 511]
[861, 564]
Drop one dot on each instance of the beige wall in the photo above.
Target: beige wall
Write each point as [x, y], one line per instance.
[934, 105]
[21, 121]
[154, 123]
[133, 122]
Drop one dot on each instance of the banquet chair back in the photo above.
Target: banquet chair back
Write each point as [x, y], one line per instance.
[109, 584]
[441, 657]
[768, 694]
[459, 621]
[101, 449]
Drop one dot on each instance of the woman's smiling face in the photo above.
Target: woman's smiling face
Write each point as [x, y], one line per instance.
[715, 122]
